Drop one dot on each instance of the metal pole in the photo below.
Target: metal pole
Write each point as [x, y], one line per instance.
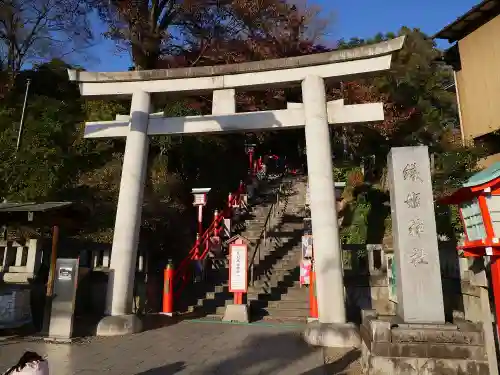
[50, 282]
[21, 124]
[53, 260]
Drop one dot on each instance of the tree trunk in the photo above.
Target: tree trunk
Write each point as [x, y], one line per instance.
[145, 52]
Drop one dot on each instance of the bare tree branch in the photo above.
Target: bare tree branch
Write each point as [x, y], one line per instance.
[36, 30]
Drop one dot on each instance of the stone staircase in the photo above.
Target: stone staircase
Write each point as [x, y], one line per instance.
[276, 293]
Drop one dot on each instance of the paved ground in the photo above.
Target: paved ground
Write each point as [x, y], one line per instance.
[187, 347]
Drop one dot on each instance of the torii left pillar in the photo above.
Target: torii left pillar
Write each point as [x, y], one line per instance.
[120, 320]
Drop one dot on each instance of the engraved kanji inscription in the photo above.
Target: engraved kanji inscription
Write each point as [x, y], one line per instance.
[410, 172]
[416, 228]
[413, 200]
[418, 256]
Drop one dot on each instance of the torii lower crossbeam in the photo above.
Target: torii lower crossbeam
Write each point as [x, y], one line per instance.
[338, 114]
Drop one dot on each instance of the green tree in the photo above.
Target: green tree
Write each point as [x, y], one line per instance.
[54, 162]
[42, 168]
[419, 110]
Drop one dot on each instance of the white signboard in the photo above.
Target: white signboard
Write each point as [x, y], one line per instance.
[238, 264]
[307, 246]
[65, 273]
[200, 199]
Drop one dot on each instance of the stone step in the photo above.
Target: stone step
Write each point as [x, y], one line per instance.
[285, 319]
[295, 313]
[278, 276]
[267, 252]
[274, 280]
[290, 295]
[265, 318]
[213, 303]
[283, 269]
[252, 237]
[272, 287]
[221, 289]
[277, 313]
[259, 221]
[283, 304]
[272, 260]
[218, 295]
[254, 229]
[290, 271]
[295, 293]
[281, 288]
[276, 295]
[287, 265]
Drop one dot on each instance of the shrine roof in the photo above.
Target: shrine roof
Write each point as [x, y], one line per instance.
[359, 53]
[480, 14]
[486, 175]
[32, 207]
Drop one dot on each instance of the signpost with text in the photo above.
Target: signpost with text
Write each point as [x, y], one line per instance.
[238, 265]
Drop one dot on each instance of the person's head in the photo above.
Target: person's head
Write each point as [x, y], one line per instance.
[27, 357]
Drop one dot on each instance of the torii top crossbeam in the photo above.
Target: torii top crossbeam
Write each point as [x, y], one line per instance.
[250, 75]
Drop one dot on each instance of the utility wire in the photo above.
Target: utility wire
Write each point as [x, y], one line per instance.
[21, 124]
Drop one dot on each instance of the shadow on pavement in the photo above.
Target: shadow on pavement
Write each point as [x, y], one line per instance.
[338, 367]
[265, 354]
[170, 369]
[283, 353]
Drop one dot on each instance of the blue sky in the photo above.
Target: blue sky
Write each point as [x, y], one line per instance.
[353, 18]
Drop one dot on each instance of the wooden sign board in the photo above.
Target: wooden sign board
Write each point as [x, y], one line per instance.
[391, 278]
[238, 268]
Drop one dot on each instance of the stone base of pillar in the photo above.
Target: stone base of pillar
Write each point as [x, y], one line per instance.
[391, 347]
[236, 313]
[119, 325]
[337, 335]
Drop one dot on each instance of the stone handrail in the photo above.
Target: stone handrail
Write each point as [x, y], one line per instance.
[255, 257]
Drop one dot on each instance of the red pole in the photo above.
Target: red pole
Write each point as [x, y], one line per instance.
[197, 247]
[313, 302]
[238, 298]
[495, 280]
[216, 223]
[168, 295]
[200, 220]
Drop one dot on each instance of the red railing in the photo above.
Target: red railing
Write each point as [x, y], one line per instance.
[200, 249]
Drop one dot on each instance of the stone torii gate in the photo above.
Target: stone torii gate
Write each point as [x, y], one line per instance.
[314, 114]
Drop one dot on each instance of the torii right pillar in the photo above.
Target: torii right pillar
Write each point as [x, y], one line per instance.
[333, 329]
